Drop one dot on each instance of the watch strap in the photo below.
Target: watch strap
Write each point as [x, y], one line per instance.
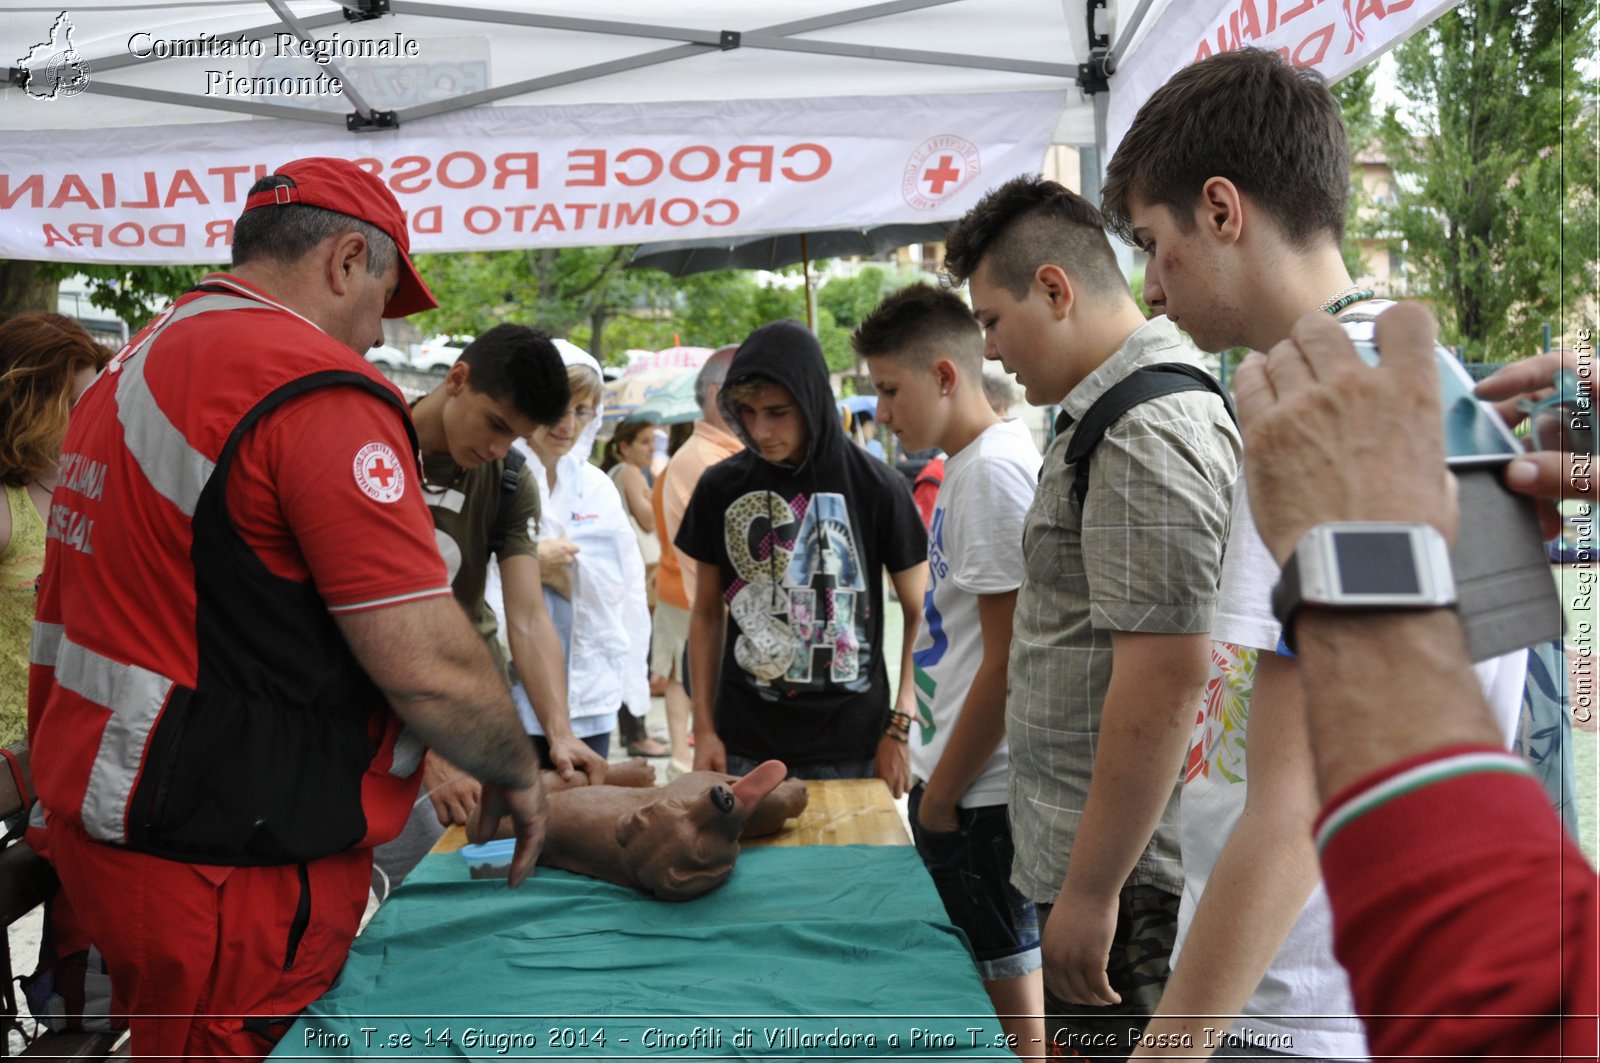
[1289, 595]
[1286, 599]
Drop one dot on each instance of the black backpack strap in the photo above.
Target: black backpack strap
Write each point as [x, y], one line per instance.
[1143, 384]
[510, 480]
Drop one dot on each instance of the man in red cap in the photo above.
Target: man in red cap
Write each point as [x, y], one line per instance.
[245, 633]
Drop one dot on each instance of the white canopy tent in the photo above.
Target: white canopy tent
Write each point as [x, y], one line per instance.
[131, 128]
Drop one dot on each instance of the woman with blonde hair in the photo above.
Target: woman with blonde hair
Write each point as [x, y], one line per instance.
[46, 362]
[590, 564]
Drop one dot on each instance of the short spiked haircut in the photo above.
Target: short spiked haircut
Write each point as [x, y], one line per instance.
[919, 325]
[1030, 222]
[1272, 129]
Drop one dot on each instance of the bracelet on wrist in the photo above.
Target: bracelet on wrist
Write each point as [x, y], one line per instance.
[898, 736]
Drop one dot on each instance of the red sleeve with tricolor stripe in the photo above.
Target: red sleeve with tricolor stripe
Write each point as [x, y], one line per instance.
[1464, 914]
[325, 487]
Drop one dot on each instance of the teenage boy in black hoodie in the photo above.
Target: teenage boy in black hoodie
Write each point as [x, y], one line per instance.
[792, 535]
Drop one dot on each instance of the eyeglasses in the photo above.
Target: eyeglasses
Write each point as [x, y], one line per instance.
[583, 414]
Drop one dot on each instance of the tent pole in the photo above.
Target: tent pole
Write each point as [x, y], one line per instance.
[811, 305]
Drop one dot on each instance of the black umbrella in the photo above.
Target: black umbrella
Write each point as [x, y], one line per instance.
[683, 257]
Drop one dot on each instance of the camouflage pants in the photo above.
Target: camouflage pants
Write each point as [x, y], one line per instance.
[1141, 952]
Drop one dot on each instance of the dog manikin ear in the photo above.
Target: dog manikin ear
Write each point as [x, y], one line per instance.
[629, 825]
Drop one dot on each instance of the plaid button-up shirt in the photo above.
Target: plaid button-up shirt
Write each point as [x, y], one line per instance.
[1144, 554]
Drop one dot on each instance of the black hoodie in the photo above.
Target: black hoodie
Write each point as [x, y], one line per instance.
[802, 552]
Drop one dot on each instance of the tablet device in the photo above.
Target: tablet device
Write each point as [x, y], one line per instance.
[1474, 434]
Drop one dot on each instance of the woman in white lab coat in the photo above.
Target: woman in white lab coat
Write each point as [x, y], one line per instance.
[589, 558]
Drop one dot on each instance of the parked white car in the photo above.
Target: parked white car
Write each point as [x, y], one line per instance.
[388, 358]
[438, 353]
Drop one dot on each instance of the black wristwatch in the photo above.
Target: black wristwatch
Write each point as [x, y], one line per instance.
[1365, 565]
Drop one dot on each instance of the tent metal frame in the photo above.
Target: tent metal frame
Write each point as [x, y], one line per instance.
[1091, 76]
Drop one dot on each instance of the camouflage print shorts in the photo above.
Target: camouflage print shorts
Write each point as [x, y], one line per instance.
[1141, 953]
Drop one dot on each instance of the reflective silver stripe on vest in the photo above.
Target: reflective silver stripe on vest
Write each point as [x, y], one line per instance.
[45, 644]
[177, 471]
[134, 697]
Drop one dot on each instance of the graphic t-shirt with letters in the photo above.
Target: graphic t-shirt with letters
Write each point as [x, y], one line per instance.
[801, 553]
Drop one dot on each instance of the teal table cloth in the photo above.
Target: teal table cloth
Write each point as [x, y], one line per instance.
[831, 951]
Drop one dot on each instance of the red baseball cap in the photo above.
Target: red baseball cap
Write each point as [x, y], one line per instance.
[340, 185]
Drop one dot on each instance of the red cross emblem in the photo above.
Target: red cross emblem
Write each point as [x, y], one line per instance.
[940, 169]
[379, 473]
[944, 173]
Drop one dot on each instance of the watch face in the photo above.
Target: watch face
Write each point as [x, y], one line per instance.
[1371, 562]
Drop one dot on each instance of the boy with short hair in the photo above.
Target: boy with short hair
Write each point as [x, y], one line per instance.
[925, 354]
[1111, 634]
[506, 382]
[793, 535]
[1233, 178]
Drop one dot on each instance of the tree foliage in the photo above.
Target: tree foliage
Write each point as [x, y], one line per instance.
[586, 295]
[583, 294]
[1495, 161]
[556, 289]
[1355, 93]
[132, 294]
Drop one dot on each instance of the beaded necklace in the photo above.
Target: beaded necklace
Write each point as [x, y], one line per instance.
[1349, 297]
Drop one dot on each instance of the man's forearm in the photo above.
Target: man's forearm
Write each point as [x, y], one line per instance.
[1263, 875]
[981, 726]
[438, 675]
[1145, 724]
[907, 690]
[1135, 766]
[909, 586]
[1384, 686]
[977, 733]
[536, 656]
[1257, 893]
[705, 664]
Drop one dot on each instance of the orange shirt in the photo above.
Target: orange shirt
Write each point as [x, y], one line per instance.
[708, 445]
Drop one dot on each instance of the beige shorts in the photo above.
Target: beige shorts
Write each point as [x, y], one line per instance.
[668, 637]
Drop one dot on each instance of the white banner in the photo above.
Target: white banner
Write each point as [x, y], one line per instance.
[1335, 36]
[519, 177]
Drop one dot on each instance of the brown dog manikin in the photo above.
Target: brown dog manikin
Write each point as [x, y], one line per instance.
[675, 842]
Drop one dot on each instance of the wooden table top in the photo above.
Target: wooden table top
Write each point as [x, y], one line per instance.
[843, 812]
[839, 812]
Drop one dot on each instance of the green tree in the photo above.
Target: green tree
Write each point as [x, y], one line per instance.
[842, 304]
[23, 288]
[1355, 95]
[556, 289]
[132, 294]
[1495, 164]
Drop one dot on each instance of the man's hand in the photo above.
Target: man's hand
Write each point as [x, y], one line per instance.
[570, 755]
[937, 817]
[1555, 469]
[1333, 439]
[454, 793]
[1075, 947]
[526, 807]
[709, 752]
[892, 764]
